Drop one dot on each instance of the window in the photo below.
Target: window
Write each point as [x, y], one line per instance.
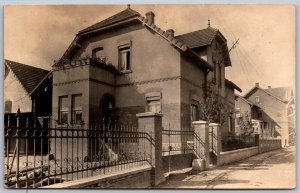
[63, 109]
[153, 101]
[194, 110]
[229, 120]
[76, 109]
[8, 106]
[125, 58]
[257, 99]
[98, 53]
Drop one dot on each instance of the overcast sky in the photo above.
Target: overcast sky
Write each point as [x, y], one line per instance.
[38, 35]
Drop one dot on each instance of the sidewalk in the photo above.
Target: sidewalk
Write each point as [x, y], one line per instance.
[272, 170]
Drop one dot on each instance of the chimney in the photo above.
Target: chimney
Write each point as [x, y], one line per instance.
[257, 84]
[269, 86]
[171, 32]
[150, 17]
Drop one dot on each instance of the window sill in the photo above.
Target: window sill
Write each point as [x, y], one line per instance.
[125, 71]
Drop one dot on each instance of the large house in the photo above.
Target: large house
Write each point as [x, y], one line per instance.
[125, 65]
[278, 104]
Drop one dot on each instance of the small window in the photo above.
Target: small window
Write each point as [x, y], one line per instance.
[63, 109]
[257, 99]
[194, 111]
[153, 102]
[76, 109]
[125, 58]
[8, 106]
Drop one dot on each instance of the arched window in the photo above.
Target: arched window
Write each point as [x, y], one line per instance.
[98, 53]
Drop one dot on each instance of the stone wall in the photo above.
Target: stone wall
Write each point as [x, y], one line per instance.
[139, 177]
[236, 155]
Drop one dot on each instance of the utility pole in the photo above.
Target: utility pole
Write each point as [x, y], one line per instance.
[232, 47]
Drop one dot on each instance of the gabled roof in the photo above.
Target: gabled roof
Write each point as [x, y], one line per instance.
[129, 15]
[203, 38]
[123, 15]
[272, 93]
[28, 76]
[231, 84]
[198, 38]
[280, 92]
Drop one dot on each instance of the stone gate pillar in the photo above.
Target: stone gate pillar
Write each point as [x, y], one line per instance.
[152, 124]
[201, 129]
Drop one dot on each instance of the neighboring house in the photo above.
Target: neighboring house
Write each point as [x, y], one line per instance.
[258, 121]
[125, 65]
[29, 89]
[276, 103]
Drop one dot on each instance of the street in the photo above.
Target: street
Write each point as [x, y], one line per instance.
[275, 169]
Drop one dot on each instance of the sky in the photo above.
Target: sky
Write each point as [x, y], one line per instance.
[39, 34]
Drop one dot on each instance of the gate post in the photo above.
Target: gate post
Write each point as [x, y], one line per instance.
[201, 129]
[152, 124]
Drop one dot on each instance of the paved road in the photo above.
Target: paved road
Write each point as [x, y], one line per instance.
[270, 170]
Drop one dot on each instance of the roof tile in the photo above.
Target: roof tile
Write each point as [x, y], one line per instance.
[198, 38]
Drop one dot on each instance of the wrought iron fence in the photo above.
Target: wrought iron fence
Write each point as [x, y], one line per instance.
[181, 142]
[70, 153]
[233, 142]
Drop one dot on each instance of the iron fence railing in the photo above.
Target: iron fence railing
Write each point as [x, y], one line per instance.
[232, 142]
[181, 142]
[70, 153]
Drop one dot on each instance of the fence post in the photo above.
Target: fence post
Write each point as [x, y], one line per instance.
[152, 123]
[202, 130]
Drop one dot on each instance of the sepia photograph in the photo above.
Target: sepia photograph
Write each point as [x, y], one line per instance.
[149, 96]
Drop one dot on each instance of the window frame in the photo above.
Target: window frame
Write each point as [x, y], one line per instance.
[125, 48]
[61, 110]
[257, 99]
[74, 110]
[230, 124]
[194, 103]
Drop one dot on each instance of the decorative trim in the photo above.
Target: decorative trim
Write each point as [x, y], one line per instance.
[119, 85]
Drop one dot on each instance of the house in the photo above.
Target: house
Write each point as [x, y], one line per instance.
[29, 90]
[251, 119]
[125, 65]
[27, 87]
[278, 104]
